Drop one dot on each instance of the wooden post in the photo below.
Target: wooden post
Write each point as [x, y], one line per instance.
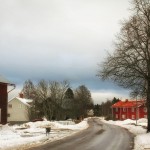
[136, 110]
[112, 113]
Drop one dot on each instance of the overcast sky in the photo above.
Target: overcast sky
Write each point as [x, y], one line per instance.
[60, 40]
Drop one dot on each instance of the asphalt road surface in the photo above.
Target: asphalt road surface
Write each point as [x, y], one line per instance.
[99, 136]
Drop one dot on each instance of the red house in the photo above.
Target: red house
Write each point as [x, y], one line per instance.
[129, 110]
[4, 83]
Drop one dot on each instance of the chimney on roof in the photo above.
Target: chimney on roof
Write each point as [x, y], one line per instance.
[21, 95]
[126, 100]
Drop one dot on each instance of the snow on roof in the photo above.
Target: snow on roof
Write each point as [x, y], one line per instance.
[23, 100]
[4, 80]
[128, 103]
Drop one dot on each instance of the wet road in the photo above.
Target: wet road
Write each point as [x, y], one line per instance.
[99, 136]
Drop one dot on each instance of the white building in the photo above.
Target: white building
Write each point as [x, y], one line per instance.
[18, 109]
[90, 112]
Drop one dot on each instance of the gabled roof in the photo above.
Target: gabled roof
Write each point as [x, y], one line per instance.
[128, 103]
[23, 100]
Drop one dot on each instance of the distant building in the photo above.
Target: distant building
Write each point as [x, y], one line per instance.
[4, 83]
[129, 110]
[18, 109]
[90, 113]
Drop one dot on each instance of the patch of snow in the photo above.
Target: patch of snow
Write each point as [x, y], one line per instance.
[16, 137]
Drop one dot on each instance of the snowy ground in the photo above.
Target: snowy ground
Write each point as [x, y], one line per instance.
[142, 139]
[29, 134]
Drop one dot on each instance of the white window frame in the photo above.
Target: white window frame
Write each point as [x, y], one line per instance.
[20, 106]
[123, 116]
[133, 116]
[117, 116]
[124, 109]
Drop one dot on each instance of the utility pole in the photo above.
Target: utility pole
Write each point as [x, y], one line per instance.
[136, 110]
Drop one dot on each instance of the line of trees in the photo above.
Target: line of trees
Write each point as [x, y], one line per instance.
[104, 109]
[56, 100]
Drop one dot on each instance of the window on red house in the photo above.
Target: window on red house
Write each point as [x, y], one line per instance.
[116, 116]
[123, 116]
[116, 109]
[124, 109]
[132, 109]
[145, 116]
[145, 109]
[133, 116]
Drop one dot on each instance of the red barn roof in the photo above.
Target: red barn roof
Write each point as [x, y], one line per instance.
[128, 103]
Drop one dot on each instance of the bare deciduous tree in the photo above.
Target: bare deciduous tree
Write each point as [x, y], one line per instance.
[57, 94]
[28, 89]
[29, 92]
[53, 99]
[48, 98]
[129, 65]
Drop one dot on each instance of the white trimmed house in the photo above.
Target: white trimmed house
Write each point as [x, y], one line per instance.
[18, 109]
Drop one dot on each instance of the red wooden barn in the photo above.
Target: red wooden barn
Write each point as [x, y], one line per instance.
[4, 83]
[129, 110]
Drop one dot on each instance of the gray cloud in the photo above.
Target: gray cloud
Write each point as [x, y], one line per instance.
[58, 39]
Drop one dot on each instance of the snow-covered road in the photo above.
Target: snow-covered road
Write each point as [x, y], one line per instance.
[99, 136]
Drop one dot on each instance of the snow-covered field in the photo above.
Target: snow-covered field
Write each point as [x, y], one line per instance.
[142, 139]
[19, 137]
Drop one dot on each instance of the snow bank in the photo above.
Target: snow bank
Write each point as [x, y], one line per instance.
[15, 137]
[142, 141]
[57, 125]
